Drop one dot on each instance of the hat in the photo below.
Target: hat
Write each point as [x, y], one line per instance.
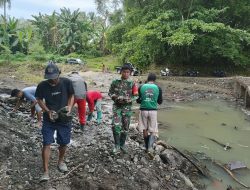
[126, 66]
[51, 71]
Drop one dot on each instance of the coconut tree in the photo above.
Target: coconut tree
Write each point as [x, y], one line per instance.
[4, 3]
[70, 30]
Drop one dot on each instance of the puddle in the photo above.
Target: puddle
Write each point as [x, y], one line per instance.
[189, 125]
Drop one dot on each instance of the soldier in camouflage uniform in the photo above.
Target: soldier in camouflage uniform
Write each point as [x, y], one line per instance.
[122, 91]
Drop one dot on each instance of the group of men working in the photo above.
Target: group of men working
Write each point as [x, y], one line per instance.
[59, 93]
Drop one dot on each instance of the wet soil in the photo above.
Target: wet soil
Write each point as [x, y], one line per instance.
[89, 159]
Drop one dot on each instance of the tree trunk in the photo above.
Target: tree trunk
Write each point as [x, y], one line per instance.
[4, 9]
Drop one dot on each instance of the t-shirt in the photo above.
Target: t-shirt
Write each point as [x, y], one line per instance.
[55, 97]
[92, 97]
[79, 85]
[29, 93]
[150, 95]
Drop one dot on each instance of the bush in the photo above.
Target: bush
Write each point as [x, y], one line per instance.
[39, 57]
[18, 56]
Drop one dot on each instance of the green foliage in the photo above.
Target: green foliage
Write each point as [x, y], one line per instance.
[68, 32]
[96, 63]
[181, 32]
[39, 56]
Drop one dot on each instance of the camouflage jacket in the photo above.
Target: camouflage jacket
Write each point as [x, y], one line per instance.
[121, 92]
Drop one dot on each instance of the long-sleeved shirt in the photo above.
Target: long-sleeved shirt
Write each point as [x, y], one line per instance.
[92, 97]
[125, 88]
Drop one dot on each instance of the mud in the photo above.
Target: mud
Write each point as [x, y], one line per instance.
[89, 159]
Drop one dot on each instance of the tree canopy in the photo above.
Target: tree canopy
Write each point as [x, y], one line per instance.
[183, 32]
[195, 32]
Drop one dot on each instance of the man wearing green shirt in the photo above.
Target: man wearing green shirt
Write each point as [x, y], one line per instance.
[150, 95]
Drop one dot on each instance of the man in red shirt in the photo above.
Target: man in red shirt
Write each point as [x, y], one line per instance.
[94, 99]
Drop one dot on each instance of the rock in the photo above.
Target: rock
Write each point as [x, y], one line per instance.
[131, 178]
[139, 166]
[120, 161]
[20, 187]
[157, 158]
[170, 157]
[145, 171]
[86, 167]
[135, 159]
[144, 161]
[128, 162]
[159, 149]
[154, 185]
[91, 170]
[167, 177]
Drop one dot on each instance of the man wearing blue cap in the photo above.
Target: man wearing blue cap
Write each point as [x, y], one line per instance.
[53, 95]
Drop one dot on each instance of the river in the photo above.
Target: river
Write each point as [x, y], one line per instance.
[190, 125]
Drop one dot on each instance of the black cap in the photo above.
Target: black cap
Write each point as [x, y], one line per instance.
[126, 66]
[51, 71]
[151, 77]
[14, 92]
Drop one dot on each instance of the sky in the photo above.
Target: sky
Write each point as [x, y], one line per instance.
[26, 8]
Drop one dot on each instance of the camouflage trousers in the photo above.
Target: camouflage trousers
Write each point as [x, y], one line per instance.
[121, 122]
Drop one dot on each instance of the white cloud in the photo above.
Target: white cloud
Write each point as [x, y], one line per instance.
[26, 8]
[72, 4]
[82, 4]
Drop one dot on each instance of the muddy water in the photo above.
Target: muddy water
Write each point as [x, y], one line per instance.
[189, 125]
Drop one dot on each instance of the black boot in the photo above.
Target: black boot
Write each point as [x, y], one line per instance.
[116, 149]
[146, 142]
[122, 141]
[151, 140]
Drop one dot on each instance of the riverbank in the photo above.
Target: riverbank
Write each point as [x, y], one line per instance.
[89, 159]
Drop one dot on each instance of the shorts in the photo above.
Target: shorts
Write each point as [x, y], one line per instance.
[63, 133]
[148, 121]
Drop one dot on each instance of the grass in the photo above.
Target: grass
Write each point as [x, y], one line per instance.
[95, 64]
[32, 71]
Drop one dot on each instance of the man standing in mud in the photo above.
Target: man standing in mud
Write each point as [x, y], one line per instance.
[122, 91]
[53, 95]
[150, 95]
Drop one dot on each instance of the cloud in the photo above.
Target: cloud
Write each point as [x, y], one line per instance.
[26, 8]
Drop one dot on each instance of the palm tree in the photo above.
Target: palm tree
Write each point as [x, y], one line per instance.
[3, 3]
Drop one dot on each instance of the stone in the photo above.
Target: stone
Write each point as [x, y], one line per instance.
[144, 161]
[145, 171]
[135, 159]
[159, 149]
[20, 187]
[154, 185]
[91, 170]
[157, 158]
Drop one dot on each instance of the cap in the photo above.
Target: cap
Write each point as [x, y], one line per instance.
[51, 71]
[126, 66]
